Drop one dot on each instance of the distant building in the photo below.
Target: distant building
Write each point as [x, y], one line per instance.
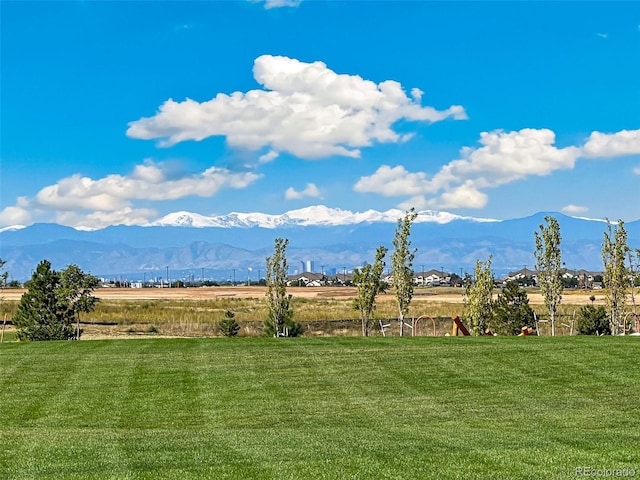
[307, 266]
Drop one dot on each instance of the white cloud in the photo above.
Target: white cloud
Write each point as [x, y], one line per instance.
[310, 191]
[636, 171]
[418, 202]
[462, 196]
[147, 182]
[101, 219]
[267, 157]
[83, 201]
[305, 109]
[602, 35]
[574, 209]
[624, 142]
[268, 4]
[14, 216]
[393, 181]
[502, 158]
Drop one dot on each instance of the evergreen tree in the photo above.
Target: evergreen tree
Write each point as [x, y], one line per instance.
[229, 327]
[511, 310]
[369, 282]
[593, 320]
[3, 282]
[43, 314]
[401, 264]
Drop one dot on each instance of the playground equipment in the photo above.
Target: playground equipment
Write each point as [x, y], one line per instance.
[458, 326]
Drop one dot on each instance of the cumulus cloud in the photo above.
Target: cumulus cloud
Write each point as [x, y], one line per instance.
[393, 181]
[305, 109]
[81, 201]
[14, 216]
[310, 191]
[574, 209]
[503, 157]
[624, 142]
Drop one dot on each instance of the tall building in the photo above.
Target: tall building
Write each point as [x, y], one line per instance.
[307, 266]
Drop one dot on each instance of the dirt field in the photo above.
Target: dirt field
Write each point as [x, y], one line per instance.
[449, 295]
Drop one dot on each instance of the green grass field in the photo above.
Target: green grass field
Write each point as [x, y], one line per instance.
[326, 408]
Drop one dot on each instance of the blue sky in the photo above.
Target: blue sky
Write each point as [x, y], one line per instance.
[122, 112]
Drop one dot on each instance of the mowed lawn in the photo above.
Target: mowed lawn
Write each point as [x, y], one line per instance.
[325, 408]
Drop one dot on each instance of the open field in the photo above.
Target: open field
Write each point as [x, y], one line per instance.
[422, 295]
[324, 311]
[333, 408]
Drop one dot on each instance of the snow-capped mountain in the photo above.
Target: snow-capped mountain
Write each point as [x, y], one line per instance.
[332, 238]
[12, 228]
[319, 215]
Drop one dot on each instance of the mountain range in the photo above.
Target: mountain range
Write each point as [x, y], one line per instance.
[218, 247]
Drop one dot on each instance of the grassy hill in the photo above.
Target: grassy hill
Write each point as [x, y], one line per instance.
[329, 408]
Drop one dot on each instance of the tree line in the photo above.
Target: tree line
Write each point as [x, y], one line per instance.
[55, 300]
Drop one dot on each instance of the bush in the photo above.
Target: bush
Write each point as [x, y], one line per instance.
[291, 328]
[593, 320]
[229, 327]
[511, 311]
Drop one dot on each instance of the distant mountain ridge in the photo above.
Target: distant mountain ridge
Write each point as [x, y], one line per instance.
[332, 238]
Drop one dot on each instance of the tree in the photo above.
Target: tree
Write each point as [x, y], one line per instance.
[511, 310]
[43, 314]
[76, 288]
[3, 274]
[616, 279]
[401, 263]
[478, 297]
[3, 283]
[634, 266]
[593, 320]
[369, 282]
[549, 266]
[280, 320]
[229, 327]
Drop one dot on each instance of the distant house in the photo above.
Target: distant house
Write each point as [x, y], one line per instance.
[431, 278]
[307, 279]
[520, 275]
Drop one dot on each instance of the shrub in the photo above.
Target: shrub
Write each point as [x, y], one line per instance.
[593, 320]
[228, 326]
[511, 311]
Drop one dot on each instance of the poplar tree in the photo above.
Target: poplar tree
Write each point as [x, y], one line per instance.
[614, 252]
[401, 264]
[369, 282]
[549, 266]
[478, 298]
[280, 320]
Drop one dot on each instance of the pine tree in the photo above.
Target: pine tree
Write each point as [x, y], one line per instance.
[511, 310]
[43, 314]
